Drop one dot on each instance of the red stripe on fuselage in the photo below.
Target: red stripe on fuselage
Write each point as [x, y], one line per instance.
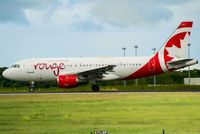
[150, 68]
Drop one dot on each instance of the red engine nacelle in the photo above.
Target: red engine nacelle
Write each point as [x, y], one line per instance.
[67, 81]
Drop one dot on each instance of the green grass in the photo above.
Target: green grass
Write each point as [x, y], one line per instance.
[178, 87]
[125, 113]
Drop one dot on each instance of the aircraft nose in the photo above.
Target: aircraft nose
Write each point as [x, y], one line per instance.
[6, 74]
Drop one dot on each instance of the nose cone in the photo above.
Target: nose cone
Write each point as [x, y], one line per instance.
[6, 74]
[13, 74]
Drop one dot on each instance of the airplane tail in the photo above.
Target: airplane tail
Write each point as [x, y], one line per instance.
[171, 56]
[174, 50]
[176, 45]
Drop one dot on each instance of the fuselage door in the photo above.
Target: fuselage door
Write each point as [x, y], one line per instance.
[30, 68]
[152, 65]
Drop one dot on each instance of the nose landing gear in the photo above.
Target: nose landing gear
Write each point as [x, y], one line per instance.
[32, 87]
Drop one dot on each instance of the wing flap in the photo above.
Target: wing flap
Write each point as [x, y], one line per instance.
[95, 74]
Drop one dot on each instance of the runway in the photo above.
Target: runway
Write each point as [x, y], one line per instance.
[101, 92]
[43, 93]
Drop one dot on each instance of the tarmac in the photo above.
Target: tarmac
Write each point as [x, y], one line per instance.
[84, 92]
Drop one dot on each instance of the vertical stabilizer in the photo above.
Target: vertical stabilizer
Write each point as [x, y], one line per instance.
[176, 45]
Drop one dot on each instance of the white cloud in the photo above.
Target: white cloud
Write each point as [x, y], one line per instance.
[12, 10]
[116, 12]
[63, 14]
[125, 13]
[69, 14]
[34, 16]
[186, 10]
[100, 14]
[104, 14]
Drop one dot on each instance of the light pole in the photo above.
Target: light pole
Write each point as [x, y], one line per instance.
[136, 80]
[136, 46]
[124, 49]
[189, 66]
[154, 77]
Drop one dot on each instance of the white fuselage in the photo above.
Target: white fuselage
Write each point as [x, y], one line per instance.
[47, 69]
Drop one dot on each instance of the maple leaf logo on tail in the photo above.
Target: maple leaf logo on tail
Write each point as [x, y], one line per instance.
[176, 46]
[172, 55]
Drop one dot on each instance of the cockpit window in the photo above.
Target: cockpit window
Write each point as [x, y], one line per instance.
[15, 66]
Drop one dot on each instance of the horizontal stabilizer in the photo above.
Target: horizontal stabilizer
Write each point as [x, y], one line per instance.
[181, 63]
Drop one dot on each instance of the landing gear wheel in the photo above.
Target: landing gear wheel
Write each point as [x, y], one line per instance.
[31, 90]
[32, 87]
[95, 88]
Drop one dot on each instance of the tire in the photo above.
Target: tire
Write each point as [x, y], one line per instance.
[31, 90]
[32, 87]
[95, 88]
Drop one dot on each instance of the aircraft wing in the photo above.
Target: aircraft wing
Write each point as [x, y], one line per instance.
[95, 74]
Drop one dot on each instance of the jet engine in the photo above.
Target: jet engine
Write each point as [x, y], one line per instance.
[67, 81]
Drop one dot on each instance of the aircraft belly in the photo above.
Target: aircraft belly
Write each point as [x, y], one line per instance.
[124, 72]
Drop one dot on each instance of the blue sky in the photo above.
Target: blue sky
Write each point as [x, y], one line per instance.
[74, 28]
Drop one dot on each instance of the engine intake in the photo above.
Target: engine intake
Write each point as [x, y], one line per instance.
[67, 81]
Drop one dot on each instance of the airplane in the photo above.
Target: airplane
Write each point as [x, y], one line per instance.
[72, 72]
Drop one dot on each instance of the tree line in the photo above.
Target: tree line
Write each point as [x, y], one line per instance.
[175, 77]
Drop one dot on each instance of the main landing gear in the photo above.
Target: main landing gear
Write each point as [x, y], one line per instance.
[32, 86]
[95, 88]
